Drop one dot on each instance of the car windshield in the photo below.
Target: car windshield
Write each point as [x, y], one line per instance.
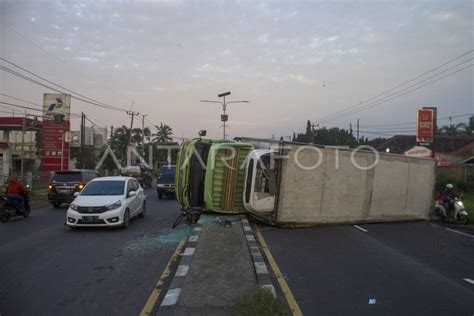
[112, 187]
[131, 170]
[67, 177]
[165, 171]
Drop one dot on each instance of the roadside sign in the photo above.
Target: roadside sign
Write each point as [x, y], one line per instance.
[425, 126]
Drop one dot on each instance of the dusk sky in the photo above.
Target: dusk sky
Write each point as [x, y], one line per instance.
[293, 60]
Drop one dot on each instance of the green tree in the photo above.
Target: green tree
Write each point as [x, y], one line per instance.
[163, 134]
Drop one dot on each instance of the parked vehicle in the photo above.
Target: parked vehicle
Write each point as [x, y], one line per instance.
[11, 208]
[64, 184]
[165, 181]
[289, 184]
[456, 211]
[107, 201]
[139, 172]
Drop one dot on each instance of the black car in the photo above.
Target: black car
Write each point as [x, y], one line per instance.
[165, 181]
[63, 184]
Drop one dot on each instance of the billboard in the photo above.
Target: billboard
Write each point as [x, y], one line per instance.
[425, 126]
[56, 126]
[418, 151]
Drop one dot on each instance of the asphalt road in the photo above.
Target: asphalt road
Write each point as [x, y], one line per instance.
[408, 268]
[47, 268]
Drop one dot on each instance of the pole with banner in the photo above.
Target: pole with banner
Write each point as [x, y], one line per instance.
[425, 128]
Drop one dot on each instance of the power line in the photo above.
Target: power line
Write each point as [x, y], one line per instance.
[399, 93]
[410, 123]
[83, 99]
[339, 113]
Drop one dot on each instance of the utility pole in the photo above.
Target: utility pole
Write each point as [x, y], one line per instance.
[143, 134]
[224, 117]
[23, 128]
[358, 141]
[83, 136]
[132, 114]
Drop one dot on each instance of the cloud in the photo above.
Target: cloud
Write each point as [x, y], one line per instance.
[263, 38]
[442, 16]
[332, 38]
[301, 79]
[217, 68]
[88, 59]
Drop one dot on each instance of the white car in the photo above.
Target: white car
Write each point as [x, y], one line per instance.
[107, 201]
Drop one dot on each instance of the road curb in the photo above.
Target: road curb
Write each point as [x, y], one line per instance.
[174, 290]
[261, 270]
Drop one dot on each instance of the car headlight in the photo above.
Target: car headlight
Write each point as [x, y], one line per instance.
[113, 206]
[160, 185]
[74, 207]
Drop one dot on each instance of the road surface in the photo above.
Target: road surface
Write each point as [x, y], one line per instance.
[47, 268]
[416, 268]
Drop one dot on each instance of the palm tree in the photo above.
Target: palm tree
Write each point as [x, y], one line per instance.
[452, 129]
[163, 134]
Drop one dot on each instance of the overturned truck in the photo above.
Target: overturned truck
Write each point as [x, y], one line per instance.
[290, 183]
[287, 183]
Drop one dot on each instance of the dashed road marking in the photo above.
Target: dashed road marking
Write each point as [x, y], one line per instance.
[189, 251]
[155, 294]
[469, 280]
[182, 270]
[171, 297]
[460, 233]
[360, 228]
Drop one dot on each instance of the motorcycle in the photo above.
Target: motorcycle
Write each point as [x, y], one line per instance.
[458, 212]
[11, 208]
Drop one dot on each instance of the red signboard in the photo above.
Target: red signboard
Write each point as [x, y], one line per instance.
[425, 126]
[54, 150]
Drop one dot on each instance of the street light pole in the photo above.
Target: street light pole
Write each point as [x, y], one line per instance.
[224, 117]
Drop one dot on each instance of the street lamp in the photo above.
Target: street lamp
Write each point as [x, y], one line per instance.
[224, 117]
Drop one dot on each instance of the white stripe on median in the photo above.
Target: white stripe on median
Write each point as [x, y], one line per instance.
[189, 251]
[171, 297]
[469, 280]
[360, 228]
[460, 233]
[182, 270]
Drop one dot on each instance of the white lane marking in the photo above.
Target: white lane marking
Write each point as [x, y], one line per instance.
[260, 267]
[469, 280]
[360, 228]
[458, 232]
[193, 238]
[171, 297]
[182, 270]
[189, 251]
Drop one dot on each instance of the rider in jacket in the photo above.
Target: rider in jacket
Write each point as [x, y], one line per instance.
[16, 191]
[448, 196]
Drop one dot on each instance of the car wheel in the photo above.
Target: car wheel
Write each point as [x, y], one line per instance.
[143, 212]
[160, 195]
[126, 219]
[56, 205]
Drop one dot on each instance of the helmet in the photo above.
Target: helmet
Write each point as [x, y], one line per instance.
[449, 186]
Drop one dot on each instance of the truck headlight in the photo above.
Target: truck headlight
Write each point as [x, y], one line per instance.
[113, 206]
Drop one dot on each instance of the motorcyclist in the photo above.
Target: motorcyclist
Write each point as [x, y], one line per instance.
[16, 191]
[448, 196]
